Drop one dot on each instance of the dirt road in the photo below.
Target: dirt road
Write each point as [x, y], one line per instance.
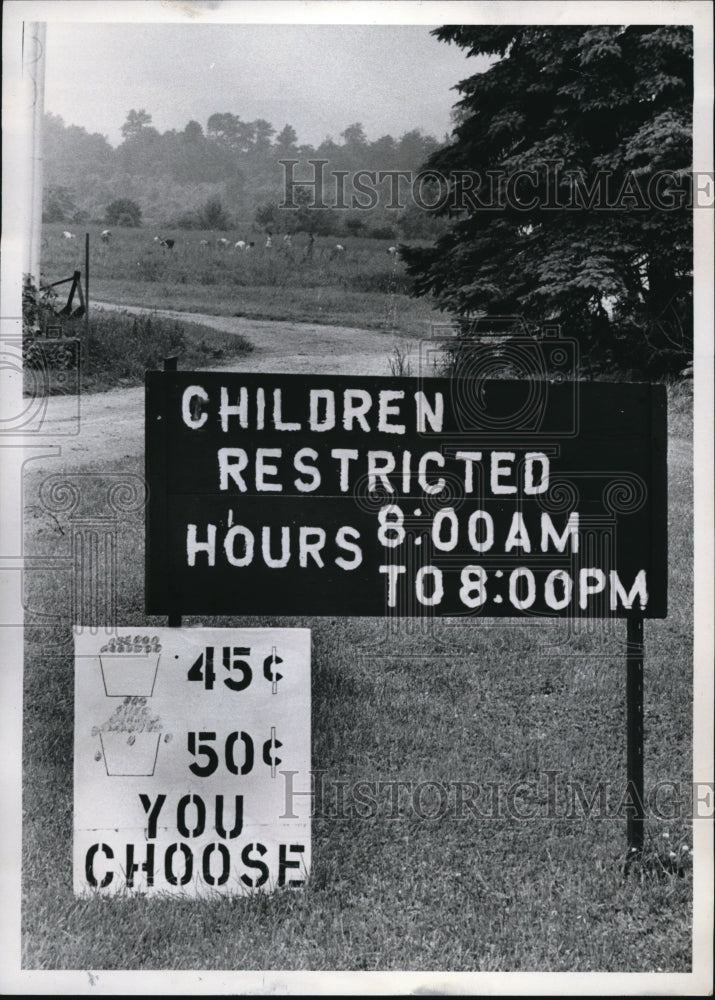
[280, 346]
[111, 424]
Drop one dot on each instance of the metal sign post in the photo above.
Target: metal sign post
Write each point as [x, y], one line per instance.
[634, 736]
[174, 617]
[86, 285]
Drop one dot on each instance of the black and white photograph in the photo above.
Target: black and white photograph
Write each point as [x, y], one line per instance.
[356, 507]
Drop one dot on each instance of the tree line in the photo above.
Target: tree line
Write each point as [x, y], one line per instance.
[218, 176]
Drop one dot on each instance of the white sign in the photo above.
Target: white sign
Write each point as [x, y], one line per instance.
[190, 747]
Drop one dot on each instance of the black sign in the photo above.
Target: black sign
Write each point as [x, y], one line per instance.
[335, 495]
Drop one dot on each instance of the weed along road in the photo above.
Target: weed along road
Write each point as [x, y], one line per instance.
[281, 346]
[111, 424]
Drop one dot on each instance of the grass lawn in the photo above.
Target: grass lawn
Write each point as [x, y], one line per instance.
[364, 287]
[401, 881]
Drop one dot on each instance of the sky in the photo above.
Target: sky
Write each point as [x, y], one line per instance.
[317, 78]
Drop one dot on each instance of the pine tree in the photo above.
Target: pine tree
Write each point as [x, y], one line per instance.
[577, 144]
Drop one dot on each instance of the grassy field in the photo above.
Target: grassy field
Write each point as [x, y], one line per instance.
[363, 286]
[406, 885]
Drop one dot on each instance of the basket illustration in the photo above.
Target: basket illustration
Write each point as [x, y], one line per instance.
[127, 753]
[129, 673]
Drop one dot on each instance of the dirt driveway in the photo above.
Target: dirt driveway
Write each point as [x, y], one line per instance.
[313, 348]
[111, 424]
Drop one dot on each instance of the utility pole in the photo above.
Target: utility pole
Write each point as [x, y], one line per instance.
[34, 69]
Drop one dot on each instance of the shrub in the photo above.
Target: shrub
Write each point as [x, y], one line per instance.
[267, 215]
[38, 308]
[123, 212]
[354, 225]
[122, 347]
[381, 232]
[212, 215]
[385, 282]
[186, 220]
[58, 204]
